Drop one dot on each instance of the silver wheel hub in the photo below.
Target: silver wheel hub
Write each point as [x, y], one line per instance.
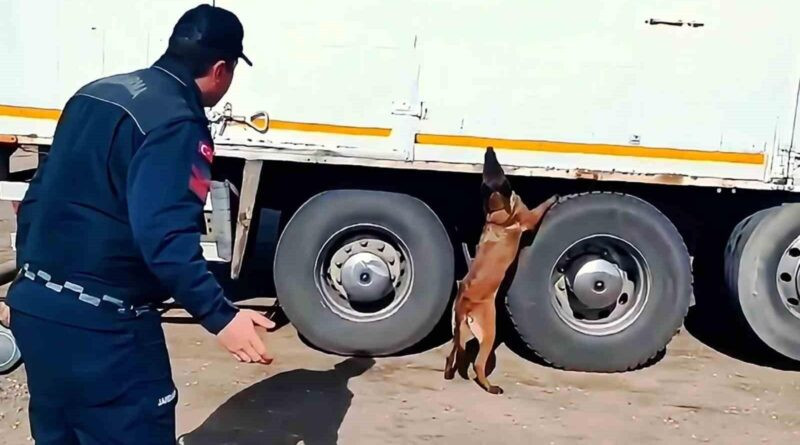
[364, 273]
[788, 278]
[366, 278]
[597, 283]
[600, 285]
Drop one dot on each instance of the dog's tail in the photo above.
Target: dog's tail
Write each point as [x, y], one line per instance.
[494, 179]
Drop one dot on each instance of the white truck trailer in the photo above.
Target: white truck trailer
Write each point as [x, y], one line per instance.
[662, 124]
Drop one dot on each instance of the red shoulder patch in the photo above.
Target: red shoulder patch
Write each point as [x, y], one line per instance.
[206, 150]
[199, 183]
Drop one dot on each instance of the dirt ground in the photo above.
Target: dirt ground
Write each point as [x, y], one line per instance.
[694, 394]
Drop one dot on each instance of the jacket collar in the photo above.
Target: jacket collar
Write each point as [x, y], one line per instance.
[181, 74]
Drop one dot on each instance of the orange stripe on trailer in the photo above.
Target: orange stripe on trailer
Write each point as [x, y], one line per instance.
[8, 139]
[330, 128]
[590, 149]
[30, 112]
[472, 141]
[54, 114]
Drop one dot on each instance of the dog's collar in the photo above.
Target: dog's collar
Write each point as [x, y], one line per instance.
[513, 206]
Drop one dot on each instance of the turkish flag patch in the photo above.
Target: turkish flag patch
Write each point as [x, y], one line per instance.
[199, 183]
[206, 151]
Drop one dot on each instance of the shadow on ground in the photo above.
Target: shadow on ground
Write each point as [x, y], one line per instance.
[718, 325]
[717, 320]
[285, 409]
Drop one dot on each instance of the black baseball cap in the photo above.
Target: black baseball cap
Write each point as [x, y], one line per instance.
[208, 30]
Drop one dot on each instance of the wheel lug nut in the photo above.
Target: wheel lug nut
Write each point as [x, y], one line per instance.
[364, 243]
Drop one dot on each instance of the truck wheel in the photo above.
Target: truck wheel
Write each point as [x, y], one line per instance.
[762, 268]
[9, 352]
[363, 272]
[604, 286]
[733, 253]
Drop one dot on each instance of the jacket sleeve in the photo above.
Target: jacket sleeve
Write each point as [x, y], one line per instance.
[168, 181]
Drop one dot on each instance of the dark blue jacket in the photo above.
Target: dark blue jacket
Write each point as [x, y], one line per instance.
[117, 205]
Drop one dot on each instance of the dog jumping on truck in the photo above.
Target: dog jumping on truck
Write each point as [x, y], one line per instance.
[507, 218]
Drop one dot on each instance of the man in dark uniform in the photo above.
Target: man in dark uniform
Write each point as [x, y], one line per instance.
[109, 227]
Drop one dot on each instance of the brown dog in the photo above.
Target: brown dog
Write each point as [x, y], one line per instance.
[507, 218]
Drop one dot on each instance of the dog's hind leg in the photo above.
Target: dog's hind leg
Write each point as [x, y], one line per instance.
[484, 328]
[449, 364]
[457, 357]
[459, 330]
[462, 357]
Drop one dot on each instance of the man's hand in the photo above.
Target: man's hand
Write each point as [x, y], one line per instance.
[240, 338]
[5, 315]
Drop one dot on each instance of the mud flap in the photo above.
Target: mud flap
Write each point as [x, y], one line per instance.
[217, 240]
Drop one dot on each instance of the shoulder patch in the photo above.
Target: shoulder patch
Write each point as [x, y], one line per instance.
[206, 150]
[199, 183]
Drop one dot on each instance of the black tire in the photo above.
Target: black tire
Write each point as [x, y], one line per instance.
[5, 162]
[751, 276]
[10, 357]
[324, 215]
[733, 254]
[530, 296]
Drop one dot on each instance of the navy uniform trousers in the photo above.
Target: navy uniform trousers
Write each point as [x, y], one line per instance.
[96, 387]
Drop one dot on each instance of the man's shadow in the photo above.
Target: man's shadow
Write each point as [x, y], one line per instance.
[294, 406]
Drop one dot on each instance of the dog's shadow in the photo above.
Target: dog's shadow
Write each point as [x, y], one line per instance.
[286, 409]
